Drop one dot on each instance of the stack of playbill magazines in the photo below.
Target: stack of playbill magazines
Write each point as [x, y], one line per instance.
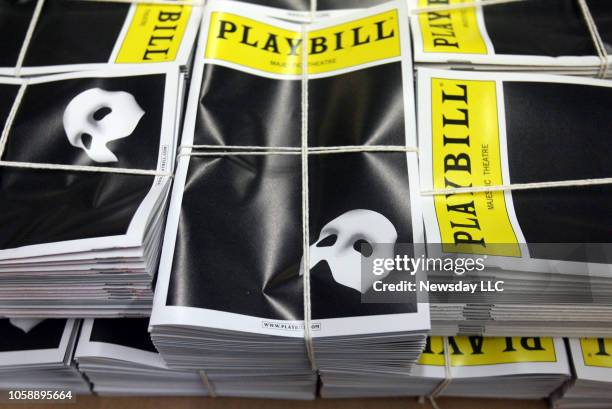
[544, 243]
[41, 37]
[592, 366]
[555, 36]
[85, 171]
[117, 356]
[425, 377]
[506, 367]
[253, 243]
[255, 184]
[37, 354]
[509, 367]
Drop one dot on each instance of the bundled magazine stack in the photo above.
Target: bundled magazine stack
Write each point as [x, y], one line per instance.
[426, 377]
[85, 173]
[509, 367]
[303, 161]
[118, 358]
[592, 365]
[37, 354]
[537, 235]
[556, 36]
[86, 160]
[41, 37]
[258, 183]
[506, 367]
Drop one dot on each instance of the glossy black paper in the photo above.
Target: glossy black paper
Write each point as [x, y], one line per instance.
[41, 206]
[15, 18]
[127, 332]
[560, 132]
[75, 32]
[544, 27]
[239, 242]
[45, 335]
[601, 10]
[67, 31]
[240, 109]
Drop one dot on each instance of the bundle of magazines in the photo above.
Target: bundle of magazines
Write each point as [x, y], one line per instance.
[335, 198]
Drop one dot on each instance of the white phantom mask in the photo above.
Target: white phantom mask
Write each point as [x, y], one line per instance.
[25, 324]
[95, 117]
[340, 244]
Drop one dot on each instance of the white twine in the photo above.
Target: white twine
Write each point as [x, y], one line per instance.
[326, 150]
[80, 168]
[244, 150]
[239, 153]
[305, 202]
[518, 186]
[239, 147]
[433, 402]
[448, 376]
[597, 41]
[28, 37]
[238, 150]
[208, 383]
